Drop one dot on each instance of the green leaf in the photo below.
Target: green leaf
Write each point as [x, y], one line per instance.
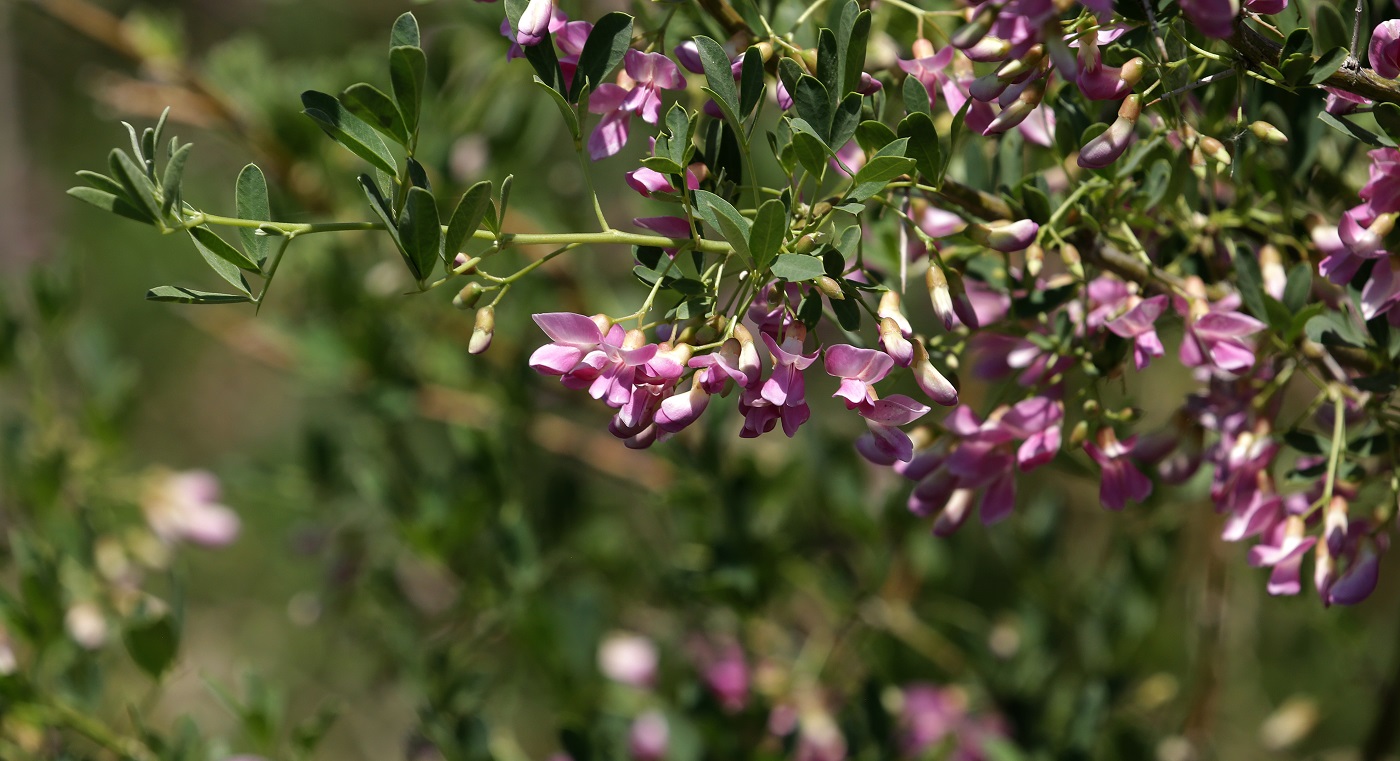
[844, 121]
[724, 219]
[1329, 29]
[604, 50]
[250, 202]
[1251, 282]
[1297, 288]
[1348, 128]
[814, 106]
[471, 210]
[916, 100]
[1334, 329]
[923, 147]
[109, 202]
[1388, 117]
[220, 256]
[811, 152]
[152, 644]
[565, 110]
[376, 109]
[348, 130]
[853, 48]
[139, 190]
[871, 136]
[797, 268]
[1326, 65]
[829, 63]
[170, 182]
[405, 32]
[770, 227]
[888, 163]
[382, 209]
[751, 85]
[102, 182]
[408, 73]
[718, 74]
[178, 295]
[847, 310]
[421, 231]
[1299, 41]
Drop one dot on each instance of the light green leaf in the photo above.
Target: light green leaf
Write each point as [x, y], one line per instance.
[408, 71]
[377, 110]
[170, 183]
[250, 202]
[718, 74]
[109, 202]
[176, 294]
[798, 267]
[405, 32]
[770, 227]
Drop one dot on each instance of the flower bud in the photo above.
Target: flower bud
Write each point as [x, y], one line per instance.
[461, 265]
[894, 342]
[809, 58]
[962, 305]
[1215, 149]
[939, 294]
[1271, 267]
[805, 245]
[1035, 259]
[923, 48]
[1004, 236]
[890, 307]
[483, 331]
[749, 363]
[1268, 133]
[468, 296]
[1070, 256]
[680, 410]
[1132, 72]
[534, 22]
[830, 288]
[1334, 524]
[932, 382]
[643, 440]
[1078, 434]
[989, 49]
[688, 56]
[1017, 111]
[1384, 50]
[973, 31]
[1107, 147]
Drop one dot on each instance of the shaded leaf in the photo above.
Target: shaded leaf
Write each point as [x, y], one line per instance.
[348, 130]
[176, 294]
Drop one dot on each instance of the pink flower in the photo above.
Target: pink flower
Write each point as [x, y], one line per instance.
[786, 385]
[645, 75]
[1265, 7]
[1283, 550]
[1121, 480]
[927, 67]
[726, 673]
[884, 416]
[185, 507]
[1138, 324]
[584, 358]
[670, 227]
[649, 736]
[858, 370]
[736, 360]
[1217, 338]
[1107, 147]
[688, 53]
[1384, 51]
[534, 23]
[1215, 18]
[628, 659]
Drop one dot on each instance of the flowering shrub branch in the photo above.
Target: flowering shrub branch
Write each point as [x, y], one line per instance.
[807, 173]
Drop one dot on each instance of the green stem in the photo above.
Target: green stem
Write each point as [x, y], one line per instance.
[272, 270]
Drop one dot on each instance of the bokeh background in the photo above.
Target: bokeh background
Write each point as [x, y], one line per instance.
[435, 546]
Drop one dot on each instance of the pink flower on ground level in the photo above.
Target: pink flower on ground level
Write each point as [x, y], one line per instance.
[185, 507]
[644, 76]
[1122, 480]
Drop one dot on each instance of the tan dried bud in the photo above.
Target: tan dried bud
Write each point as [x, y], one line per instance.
[483, 331]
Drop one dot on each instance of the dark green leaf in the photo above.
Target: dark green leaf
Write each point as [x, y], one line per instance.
[348, 130]
[606, 46]
[1298, 288]
[847, 116]
[923, 147]
[381, 208]
[1388, 117]
[1346, 127]
[847, 310]
[1326, 65]
[176, 294]
[1329, 30]
[405, 32]
[250, 202]
[916, 100]
[471, 210]
[109, 202]
[1251, 282]
[750, 82]
[718, 74]
[376, 109]
[811, 152]
[421, 231]
[813, 104]
[871, 136]
[152, 644]
[1299, 41]
[408, 72]
[139, 190]
[798, 267]
[546, 63]
[721, 216]
[853, 49]
[770, 227]
[170, 183]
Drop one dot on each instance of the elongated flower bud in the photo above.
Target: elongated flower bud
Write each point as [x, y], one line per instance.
[534, 22]
[895, 344]
[1017, 111]
[1268, 133]
[464, 266]
[930, 381]
[1070, 256]
[1004, 235]
[1035, 259]
[483, 331]
[1215, 149]
[1106, 148]
[890, 307]
[681, 410]
[973, 31]
[939, 294]
[923, 48]
[468, 296]
[749, 363]
[830, 288]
